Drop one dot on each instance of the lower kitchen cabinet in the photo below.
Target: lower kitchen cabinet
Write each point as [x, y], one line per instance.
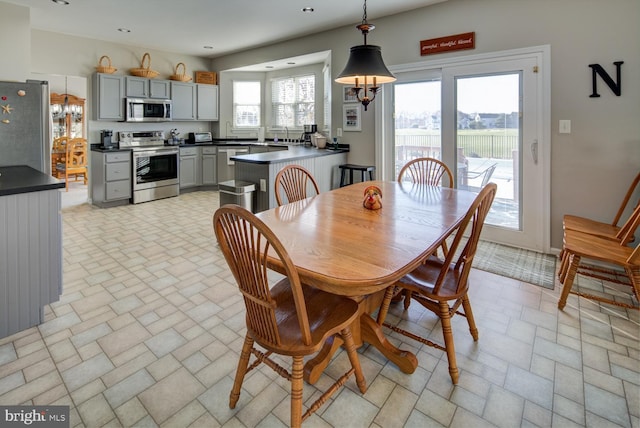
[111, 178]
[209, 173]
[190, 173]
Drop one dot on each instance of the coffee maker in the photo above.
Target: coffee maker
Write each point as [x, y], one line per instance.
[106, 141]
[309, 130]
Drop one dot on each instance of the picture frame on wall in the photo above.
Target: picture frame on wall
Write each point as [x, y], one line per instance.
[348, 96]
[351, 117]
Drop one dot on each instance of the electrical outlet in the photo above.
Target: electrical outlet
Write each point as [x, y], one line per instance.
[339, 132]
[263, 185]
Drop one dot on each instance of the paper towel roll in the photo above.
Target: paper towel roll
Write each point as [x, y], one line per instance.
[261, 134]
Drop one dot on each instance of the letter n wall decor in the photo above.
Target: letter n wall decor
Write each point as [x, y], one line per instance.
[615, 86]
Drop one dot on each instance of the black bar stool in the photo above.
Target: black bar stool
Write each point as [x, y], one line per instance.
[351, 167]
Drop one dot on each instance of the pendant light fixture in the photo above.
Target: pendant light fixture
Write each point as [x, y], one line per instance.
[365, 69]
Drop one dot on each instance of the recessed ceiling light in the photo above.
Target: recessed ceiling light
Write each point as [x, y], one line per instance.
[62, 2]
[291, 63]
[307, 9]
[268, 66]
[124, 30]
[208, 47]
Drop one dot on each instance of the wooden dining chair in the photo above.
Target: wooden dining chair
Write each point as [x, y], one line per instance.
[425, 171]
[293, 182]
[286, 318]
[58, 154]
[579, 246]
[622, 233]
[75, 161]
[442, 286]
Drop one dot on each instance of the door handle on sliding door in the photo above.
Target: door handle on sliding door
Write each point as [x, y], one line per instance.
[534, 151]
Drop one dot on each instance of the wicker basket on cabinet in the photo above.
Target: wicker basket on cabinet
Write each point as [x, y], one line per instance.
[145, 68]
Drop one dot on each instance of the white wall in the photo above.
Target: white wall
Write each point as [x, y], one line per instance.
[15, 42]
[592, 167]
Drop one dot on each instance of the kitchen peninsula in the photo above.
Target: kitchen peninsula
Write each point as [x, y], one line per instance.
[31, 248]
[261, 168]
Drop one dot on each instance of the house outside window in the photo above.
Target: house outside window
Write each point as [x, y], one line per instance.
[293, 101]
[246, 104]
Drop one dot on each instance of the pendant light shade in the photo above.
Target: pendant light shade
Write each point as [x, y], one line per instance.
[365, 62]
[365, 69]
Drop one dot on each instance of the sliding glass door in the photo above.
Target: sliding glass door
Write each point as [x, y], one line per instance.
[483, 119]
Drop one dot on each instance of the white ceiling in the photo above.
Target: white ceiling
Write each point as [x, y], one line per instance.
[186, 26]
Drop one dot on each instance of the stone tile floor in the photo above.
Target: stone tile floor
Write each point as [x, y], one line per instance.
[150, 325]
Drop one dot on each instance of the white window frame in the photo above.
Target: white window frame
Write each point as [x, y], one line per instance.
[273, 104]
[236, 126]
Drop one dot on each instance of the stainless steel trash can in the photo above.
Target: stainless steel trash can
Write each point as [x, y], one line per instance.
[237, 192]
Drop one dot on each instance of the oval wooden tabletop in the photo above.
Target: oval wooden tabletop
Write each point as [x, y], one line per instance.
[341, 247]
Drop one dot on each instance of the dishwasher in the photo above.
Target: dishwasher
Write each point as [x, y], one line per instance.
[226, 167]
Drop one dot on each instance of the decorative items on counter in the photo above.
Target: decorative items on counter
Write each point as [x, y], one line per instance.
[372, 198]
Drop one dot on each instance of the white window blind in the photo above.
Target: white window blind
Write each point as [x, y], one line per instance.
[246, 104]
[293, 101]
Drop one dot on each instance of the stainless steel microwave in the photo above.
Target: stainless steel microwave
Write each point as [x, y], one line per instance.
[147, 110]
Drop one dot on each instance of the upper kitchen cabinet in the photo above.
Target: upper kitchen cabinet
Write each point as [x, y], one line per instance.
[183, 97]
[67, 112]
[108, 97]
[141, 87]
[207, 97]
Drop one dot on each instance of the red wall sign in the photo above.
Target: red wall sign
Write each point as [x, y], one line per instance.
[448, 43]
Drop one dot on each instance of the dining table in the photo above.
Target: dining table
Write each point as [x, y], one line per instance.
[341, 247]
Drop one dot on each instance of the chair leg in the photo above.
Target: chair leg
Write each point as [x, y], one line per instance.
[296, 391]
[407, 299]
[561, 258]
[447, 333]
[573, 261]
[384, 307]
[466, 304]
[353, 358]
[243, 363]
[564, 266]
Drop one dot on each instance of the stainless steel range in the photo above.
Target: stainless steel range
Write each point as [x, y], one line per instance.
[155, 166]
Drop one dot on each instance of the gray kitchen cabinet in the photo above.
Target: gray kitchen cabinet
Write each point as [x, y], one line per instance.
[183, 97]
[209, 170]
[108, 99]
[160, 89]
[137, 87]
[141, 87]
[111, 178]
[207, 102]
[190, 172]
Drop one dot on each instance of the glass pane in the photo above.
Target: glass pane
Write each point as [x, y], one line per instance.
[417, 121]
[488, 139]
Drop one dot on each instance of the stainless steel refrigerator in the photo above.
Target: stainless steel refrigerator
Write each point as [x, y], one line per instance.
[25, 125]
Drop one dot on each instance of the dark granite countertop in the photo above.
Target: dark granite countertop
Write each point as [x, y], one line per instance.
[293, 153]
[24, 179]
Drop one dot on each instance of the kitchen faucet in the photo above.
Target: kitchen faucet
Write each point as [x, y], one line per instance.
[286, 136]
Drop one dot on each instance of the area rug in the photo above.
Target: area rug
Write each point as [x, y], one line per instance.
[523, 265]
